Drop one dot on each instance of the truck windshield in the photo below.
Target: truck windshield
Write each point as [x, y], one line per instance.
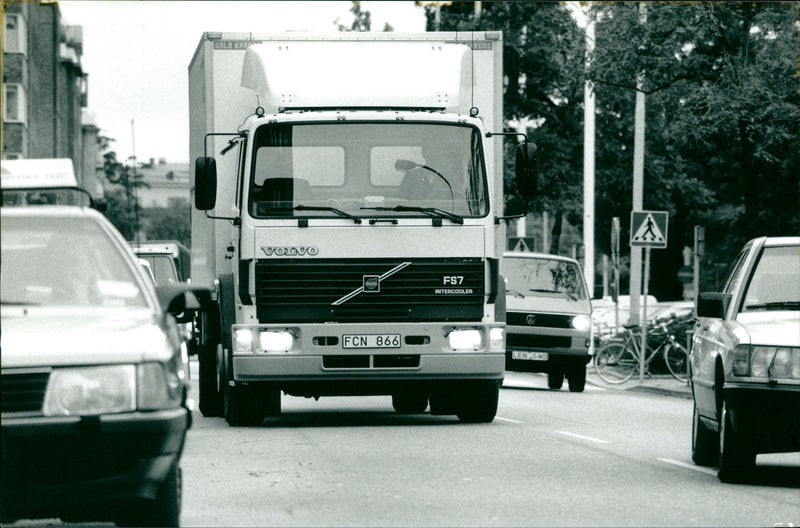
[367, 170]
[537, 276]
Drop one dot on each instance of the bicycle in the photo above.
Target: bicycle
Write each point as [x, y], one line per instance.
[618, 360]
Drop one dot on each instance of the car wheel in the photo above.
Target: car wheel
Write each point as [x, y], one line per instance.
[577, 378]
[410, 402]
[479, 402]
[555, 379]
[705, 444]
[735, 459]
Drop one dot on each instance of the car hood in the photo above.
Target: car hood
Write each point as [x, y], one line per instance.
[550, 303]
[777, 328]
[41, 337]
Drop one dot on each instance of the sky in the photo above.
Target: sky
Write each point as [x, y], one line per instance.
[137, 54]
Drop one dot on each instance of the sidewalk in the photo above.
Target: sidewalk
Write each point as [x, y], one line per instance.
[662, 384]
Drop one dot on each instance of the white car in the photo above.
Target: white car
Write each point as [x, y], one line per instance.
[745, 360]
[548, 317]
[94, 380]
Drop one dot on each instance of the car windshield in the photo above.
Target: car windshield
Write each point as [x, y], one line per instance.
[775, 284]
[536, 276]
[396, 169]
[57, 261]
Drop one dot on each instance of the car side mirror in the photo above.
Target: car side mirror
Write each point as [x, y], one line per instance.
[182, 300]
[526, 166]
[205, 183]
[713, 305]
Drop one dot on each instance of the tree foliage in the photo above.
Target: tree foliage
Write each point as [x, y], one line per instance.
[722, 125]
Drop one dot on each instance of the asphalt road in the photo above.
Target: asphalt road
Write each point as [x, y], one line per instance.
[600, 458]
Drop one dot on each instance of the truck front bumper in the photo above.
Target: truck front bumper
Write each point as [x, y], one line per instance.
[390, 351]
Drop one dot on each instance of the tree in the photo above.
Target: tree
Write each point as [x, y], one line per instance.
[362, 20]
[120, 193]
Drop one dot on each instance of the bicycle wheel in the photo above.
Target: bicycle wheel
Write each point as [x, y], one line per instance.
[677, 359]
[615, 363]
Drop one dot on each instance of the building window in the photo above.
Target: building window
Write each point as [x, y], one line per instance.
[14, 40]
[13, 103]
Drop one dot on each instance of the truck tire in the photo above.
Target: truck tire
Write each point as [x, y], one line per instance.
[736, 460]
[479, 401]
[210, 395]
[555, 378]
[242, 406]
[576, 376]
[410, 402]
[270, 400]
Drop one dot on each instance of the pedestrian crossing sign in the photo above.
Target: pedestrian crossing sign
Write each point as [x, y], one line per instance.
[649, 229]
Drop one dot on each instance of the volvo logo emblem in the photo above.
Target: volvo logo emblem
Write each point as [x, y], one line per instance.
[372, 283]
[290, 251]
[530, 319]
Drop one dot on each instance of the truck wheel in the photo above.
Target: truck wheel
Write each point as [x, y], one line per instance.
[242, 406]
[270, 399]
[736, 461]
[577, 378]
[210, 395]
[705, 444]
[410, 402]
[555, 379]
[479, 401]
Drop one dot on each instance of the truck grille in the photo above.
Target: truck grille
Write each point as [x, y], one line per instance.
[304, 290]
[23, 392]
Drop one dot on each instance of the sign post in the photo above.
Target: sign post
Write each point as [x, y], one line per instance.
[648, 230]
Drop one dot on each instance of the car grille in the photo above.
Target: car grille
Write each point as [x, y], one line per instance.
[304, 290]
[545, 320]
[518, 341]
[23, 392]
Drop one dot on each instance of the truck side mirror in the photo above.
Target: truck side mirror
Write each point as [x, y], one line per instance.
[205, 183]
[526, 169]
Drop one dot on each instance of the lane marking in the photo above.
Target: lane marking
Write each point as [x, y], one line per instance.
[701, 469]
[507, 420]
[588, 438]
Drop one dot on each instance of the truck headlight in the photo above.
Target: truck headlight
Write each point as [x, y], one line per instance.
[276, 340]
[91, 390]
[581, 322]
[467, 339]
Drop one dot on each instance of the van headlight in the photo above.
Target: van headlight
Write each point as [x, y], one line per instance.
[111, 389]
[581, 322]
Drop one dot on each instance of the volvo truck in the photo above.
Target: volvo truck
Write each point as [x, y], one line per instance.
[348, 217]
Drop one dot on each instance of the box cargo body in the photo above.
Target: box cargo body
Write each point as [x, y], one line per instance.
[337, 276]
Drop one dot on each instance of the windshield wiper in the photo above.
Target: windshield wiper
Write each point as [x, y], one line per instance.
[430, 211]
[779, 305]
[334, 210]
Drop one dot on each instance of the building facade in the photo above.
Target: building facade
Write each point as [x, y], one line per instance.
[45, 89]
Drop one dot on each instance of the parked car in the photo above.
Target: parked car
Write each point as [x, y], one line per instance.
[94, 383]
[548, 317]
[745, 360]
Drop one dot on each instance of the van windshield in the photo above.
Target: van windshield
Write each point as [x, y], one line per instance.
[367, 169]
[537, 276]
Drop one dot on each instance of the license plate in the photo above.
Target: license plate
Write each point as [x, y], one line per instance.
[529, 356]
[371, 341]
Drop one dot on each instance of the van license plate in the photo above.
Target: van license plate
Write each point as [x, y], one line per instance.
[529, 356]
[371, 341]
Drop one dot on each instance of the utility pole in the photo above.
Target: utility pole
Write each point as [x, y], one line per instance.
[588, 164]
[638, 182]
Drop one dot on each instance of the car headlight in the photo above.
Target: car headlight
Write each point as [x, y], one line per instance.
[766, 361]
[581, 322]
[467, 339]
[113, 389]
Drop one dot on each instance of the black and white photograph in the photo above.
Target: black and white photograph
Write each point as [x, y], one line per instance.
[399, 263]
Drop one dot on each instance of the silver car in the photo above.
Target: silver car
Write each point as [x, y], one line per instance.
[94, 383]
[745, 360]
